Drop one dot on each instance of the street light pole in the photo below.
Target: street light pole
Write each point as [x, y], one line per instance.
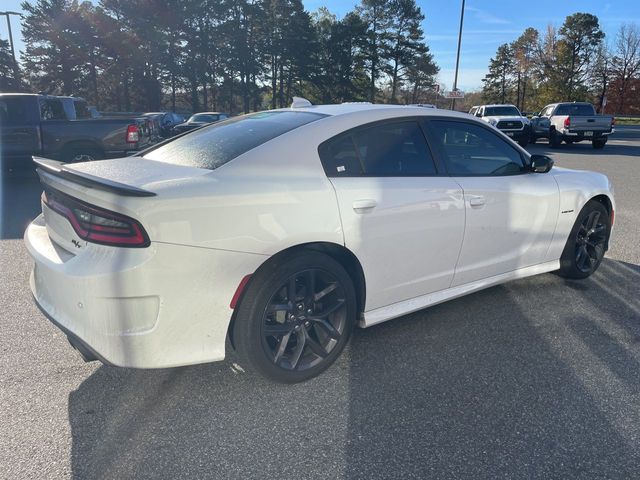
[13, 51]
[455, 78]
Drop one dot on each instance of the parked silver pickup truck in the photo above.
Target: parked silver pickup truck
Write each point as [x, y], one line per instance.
[571, 122]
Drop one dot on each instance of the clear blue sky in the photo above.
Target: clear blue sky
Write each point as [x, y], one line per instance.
[487, 24]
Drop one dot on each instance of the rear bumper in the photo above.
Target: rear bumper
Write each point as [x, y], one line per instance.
[162, 306]
[580, 135]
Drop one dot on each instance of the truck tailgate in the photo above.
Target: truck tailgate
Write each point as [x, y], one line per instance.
[590, 123]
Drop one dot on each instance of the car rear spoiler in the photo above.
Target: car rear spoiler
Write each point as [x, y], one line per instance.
[58, 169]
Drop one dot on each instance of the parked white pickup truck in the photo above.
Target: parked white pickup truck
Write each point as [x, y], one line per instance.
[506, 118]
[571, 122]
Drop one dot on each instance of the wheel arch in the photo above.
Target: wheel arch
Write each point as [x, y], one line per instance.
[70, 146]
[608, 205]
[339, 253]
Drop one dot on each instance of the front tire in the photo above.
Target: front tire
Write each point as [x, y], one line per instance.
[295, 317]
[587, 242]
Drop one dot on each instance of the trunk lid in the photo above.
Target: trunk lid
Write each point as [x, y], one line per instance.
[127, 186]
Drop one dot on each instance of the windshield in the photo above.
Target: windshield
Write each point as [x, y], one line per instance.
[506, 111]
[215, 145]
[203, 118]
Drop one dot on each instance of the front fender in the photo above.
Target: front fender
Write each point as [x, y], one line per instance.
[577, 187]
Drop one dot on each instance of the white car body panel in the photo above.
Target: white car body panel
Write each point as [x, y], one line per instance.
[520, 210]
[399, 230]
[422, 243]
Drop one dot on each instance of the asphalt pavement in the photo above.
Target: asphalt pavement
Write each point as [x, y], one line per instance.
[537, 378]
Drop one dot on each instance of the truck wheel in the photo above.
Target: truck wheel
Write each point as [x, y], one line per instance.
[554, 139]
[81, 153]
[599, 143]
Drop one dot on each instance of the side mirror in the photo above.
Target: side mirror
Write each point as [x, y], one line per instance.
[541, 163]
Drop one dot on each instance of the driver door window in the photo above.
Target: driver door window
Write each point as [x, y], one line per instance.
[472, 150]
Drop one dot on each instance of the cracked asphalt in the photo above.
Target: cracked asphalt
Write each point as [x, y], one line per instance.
[538, 378]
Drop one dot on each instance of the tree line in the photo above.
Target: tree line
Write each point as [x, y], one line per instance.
[571, 63]
[229, 55]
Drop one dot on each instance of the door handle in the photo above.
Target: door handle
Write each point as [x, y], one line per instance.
[476, 201]
[364, 206]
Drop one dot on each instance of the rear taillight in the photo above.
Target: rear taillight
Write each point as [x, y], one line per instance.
[133, 135]
[96, 224]
[567, 122]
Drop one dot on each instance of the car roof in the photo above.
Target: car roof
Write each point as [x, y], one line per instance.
[500, 105]
[348, 108]
[208, 113]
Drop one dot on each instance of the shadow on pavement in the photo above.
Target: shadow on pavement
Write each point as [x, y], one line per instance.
[502, 383]
[19, 202]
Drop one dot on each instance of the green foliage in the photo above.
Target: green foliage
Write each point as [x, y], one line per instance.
[566, 64]
[233, 55]
[9, 72]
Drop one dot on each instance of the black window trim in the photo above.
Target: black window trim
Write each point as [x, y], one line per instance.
[525, 159]
[439, 167]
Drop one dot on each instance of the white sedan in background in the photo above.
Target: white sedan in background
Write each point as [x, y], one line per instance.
[284, 229]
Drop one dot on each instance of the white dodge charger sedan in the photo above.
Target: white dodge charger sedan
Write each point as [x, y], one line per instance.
[282, 230]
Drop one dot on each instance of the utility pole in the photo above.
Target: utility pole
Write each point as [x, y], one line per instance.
[13, 51]
[455, 78]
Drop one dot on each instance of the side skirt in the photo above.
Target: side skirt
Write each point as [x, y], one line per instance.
[395, 310]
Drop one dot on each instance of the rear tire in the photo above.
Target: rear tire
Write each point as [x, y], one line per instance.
[295, 317]
[599, 143]
[587, 242]
[80, 153]
[554, 139]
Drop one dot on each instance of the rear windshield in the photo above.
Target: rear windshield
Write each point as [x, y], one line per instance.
[217, 144]
[575, 109]
[501, 112]
[203, 118]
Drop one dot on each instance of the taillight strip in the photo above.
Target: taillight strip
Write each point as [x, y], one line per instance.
[133, 235]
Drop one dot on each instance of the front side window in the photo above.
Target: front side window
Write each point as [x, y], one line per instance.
[396, 149]
[12, 111]
[214, 145]
[472, 150]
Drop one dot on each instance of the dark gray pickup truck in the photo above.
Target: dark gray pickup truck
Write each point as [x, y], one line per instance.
[40, 125]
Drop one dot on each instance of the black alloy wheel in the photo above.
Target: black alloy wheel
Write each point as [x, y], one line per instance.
[304, 320]
[587, 242]
[295, 316]
[590, 242]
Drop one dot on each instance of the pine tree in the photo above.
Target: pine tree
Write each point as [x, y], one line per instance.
[498, 82]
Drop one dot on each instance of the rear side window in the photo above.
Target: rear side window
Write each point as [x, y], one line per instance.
[213, 146]
[52, 110]
[82, 110]
[395, 149]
